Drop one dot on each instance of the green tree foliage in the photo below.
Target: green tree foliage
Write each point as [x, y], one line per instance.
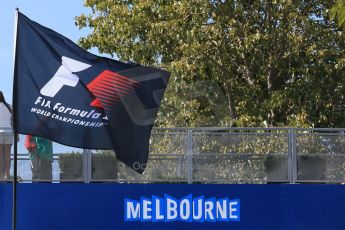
[338, 11]
[244, 63]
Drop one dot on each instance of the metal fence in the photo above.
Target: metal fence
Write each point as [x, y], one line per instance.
[206, 155]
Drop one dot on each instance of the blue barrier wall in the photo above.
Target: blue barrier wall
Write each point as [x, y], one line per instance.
[101, 206]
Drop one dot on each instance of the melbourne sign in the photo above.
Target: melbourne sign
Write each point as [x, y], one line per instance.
[186, 209]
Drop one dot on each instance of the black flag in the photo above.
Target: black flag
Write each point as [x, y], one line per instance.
[70, 96]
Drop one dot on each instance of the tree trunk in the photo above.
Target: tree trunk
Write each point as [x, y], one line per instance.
[228, 93]
[230, 100]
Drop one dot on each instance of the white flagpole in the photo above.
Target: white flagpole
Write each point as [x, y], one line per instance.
[14, 115]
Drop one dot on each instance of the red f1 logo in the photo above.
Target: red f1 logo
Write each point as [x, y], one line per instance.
[108, 88]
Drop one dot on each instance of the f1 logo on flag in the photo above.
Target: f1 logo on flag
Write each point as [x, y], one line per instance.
[108, 87]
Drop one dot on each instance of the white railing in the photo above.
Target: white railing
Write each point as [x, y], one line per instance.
[211, 155]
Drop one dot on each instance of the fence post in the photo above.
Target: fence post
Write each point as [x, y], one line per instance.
[87, 167]
[3, 160]
[292, 156]
[189, 157]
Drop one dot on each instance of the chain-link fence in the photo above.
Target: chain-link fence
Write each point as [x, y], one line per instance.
[199, 155]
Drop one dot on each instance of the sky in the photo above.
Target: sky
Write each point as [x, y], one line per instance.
[58, 15]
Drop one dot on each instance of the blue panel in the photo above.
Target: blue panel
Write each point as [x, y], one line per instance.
[5, 206]
[101, 206]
